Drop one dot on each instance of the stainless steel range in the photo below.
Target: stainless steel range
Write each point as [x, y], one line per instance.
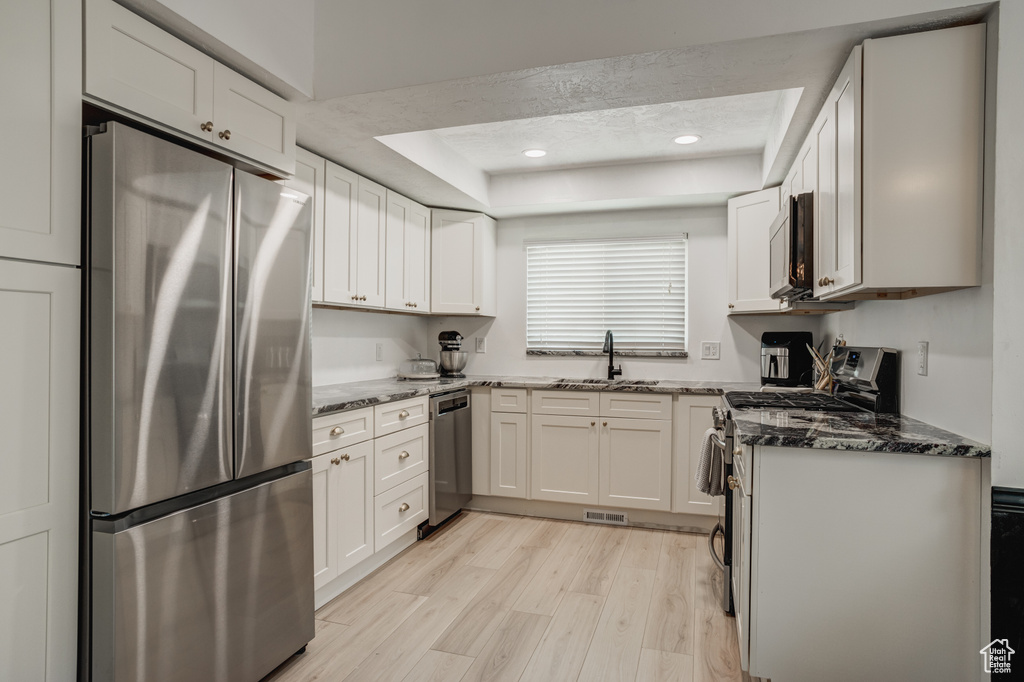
[866, 380]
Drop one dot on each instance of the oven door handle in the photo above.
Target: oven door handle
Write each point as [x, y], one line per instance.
[711, 546]
[718, 441]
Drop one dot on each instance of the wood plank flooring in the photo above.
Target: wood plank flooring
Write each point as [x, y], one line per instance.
[496, 597]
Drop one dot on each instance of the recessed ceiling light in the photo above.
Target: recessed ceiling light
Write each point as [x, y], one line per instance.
[534, 153]
[687, 139]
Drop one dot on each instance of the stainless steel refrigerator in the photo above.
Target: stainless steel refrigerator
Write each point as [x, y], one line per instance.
[200, 559]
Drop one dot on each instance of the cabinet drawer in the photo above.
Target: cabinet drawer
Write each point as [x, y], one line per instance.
[342, 429]
[508, 400]
[400, 456]
[636, 405]
[400, 510]
[581, 403]
[391, 417]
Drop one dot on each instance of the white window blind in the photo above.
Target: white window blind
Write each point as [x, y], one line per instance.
[576, 291]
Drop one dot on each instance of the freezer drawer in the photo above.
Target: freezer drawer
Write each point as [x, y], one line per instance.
[219, 591]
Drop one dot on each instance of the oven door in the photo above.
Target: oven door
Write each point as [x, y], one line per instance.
[724, 528]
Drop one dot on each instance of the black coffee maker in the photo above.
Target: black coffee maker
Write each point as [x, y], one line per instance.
[785, 359]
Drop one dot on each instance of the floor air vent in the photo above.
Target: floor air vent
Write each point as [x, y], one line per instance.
[616, 518]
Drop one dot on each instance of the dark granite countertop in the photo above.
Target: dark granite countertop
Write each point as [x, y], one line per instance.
[851, 431]
[350, 396]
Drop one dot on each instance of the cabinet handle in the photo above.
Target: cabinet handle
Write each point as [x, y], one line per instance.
[404, 507]
[337, 431]
[346, 457]
[403, 414]
[335, 460]
[478, 308]
[731, 305]
[355, 298]
[403, 455]
[733, 483]
[206, 127]
[362, 298]
[225, 134]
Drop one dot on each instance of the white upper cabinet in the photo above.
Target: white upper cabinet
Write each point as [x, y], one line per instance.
[40, 178]
[900, 153]
[342, 186]
[366, 251]
[310, 178]
[750, 216]
[463, 247]
[407, 280]
[145, 71]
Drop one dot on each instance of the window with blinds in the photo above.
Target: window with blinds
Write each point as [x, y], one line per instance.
[577, 290]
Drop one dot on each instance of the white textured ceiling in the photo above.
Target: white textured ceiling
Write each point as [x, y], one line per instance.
[737, 124]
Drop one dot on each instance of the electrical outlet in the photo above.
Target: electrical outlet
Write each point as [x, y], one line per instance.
[922, 358]
[481, 344]
[380, 352]
[710, 350]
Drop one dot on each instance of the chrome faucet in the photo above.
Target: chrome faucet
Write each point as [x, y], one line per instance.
[609, 348]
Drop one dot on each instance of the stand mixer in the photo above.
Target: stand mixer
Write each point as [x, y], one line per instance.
[453, 358]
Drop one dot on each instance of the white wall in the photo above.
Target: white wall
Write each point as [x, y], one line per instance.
[344, 344]
[740, 336]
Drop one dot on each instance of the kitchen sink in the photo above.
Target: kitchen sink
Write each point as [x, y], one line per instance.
[610, 382]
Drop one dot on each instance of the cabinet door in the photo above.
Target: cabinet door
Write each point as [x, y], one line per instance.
[40, 177]
[462, 263]
[366, 246]
[325, 537]
[339, 222]
[407, 281]
[564, 459]
[750, 217]
[636, 463]
[252, 121]
[132, 64]
[692, 417]
[824, 133]
[39, 454]
[508, 454]
[807, 168]
[352, 498]
[309, 179]
[847, 245]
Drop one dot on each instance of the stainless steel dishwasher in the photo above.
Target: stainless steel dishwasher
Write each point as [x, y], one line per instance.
[451, 455]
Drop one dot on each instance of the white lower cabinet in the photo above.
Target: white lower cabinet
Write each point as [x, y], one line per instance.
[509, 447]
[564, 458]
[691, 418]
[343, 529]
[635, 463]
[400, 510]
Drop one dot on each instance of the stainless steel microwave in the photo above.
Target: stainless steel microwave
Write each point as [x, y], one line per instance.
[791, 239]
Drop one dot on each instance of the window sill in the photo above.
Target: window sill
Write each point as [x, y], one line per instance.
[618, 353]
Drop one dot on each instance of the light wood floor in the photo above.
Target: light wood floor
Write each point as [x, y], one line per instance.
[497, 597]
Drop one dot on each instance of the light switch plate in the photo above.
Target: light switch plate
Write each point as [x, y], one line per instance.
[481, 344]
[710, 350]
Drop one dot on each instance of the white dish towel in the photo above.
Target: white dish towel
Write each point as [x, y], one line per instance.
[709, 469]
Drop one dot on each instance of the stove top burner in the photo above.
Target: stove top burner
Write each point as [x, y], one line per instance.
[788, 401]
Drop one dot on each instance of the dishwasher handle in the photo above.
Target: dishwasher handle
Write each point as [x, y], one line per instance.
[447, 404]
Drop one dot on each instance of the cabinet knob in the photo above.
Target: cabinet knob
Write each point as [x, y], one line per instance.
[737, 451]
[346, 457]
[733, 483]
[478, 308]
[415, 305]
[355, 298]
[404, 507]
[403, 455]
[403, 414]
[206, 127]
[335, 460]
[827, 280]
[604, 423]
[593, 423]
[731, 305]
[362, 298]
[225, 134]
[337, 431]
